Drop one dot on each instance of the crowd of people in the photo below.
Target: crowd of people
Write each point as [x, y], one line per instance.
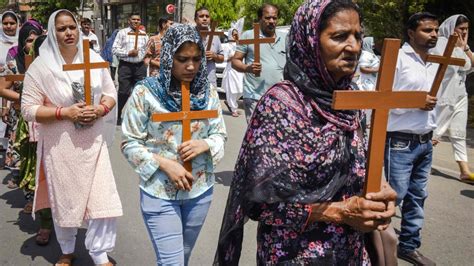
[301, 168]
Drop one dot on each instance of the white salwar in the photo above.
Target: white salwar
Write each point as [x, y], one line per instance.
[233, 81]
[452, 105]
[100, 238]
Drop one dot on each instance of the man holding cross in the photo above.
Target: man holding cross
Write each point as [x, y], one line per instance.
[261, 76]
[130, 48]
[216, 53]
[408, 150]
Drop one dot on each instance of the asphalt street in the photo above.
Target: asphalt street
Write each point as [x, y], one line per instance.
[448, 234]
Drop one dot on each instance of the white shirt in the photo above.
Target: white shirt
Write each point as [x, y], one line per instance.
[124, 43]
[92, 37]
[412, 74]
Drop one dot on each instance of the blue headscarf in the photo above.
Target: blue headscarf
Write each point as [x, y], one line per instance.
[168, 93]
[107, 50]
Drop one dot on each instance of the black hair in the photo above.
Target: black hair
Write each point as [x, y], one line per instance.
[260, 9]
[37, 44]
[414, 21]
[333, 8]
[162, 21]
[199, 10]
[461, 19]
[135, 13]
[11, 15]
[86, 20]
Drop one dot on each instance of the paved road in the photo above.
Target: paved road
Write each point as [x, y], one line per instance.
[448, 235]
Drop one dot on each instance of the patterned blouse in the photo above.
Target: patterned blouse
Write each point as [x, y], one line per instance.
[141, 138]
[153, 48]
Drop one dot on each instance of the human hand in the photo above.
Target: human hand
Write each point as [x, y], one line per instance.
[254, 68]
[365, 215]
[210, 55]
[461, 41]
[388, 196]
[192, 148]
[133, 53]
[182, 179]
[73, 112]
[430, 103]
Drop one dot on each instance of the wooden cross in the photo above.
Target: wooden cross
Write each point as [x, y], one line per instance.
[136, 33]
[443, 62]
[256, 41]
[87, 66]
[381, 101]
[20, 77]
[211, 34]
[186, 115]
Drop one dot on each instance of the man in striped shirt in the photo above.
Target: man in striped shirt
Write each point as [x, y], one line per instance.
[131, 67]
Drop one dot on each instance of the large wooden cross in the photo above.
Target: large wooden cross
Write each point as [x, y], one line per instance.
[87, 66]
[443, 62]
[186, 115]
[256, 41]
[211, 34]
[381, 101]
[20, 77]
[136, 33]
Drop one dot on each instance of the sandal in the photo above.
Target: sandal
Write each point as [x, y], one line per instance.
[469, 179]
[42, 237]
[65, 260]
[28, 207]
[235, 114]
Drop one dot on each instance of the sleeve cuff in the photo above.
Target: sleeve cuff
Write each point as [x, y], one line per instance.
[148, 169]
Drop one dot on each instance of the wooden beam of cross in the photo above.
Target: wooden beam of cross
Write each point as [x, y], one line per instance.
[136, 33]
[443, 62]
[20, 77]
[186, 115]
[211, 34]
[381, 101]
[87, 66]
[256, 41]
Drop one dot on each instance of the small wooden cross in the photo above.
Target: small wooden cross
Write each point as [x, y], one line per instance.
[87, 66]
[443, 62]
[186, 115]
[20, 77]
[136, 33]
[381, 101]
[211, 34]
[256, 41]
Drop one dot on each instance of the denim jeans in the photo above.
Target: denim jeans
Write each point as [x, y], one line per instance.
[174, 225]
[407, 168]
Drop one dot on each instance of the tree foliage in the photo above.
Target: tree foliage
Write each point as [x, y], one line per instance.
[43, 9]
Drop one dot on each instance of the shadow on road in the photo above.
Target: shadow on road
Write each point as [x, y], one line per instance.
[467, 193]
[437, 172]
[224, 178]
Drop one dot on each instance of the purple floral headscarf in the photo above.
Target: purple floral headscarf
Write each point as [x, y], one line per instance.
[305, 66]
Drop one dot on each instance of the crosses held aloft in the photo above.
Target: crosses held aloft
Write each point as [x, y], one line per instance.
[256, 41]
[443, 62]
[20, 77]
[211, 34]
[381, 101]
[87, 66]
[186, 115]
[136, 33]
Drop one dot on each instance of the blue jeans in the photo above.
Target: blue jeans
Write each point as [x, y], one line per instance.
[174, 225]
[407, 168]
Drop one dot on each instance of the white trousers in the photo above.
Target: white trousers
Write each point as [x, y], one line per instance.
[453, 120]
[232, 100]
[100, 238]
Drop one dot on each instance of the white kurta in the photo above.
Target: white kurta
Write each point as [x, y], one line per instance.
[233, 81]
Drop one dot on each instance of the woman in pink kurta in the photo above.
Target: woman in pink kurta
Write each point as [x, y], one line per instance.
[74, 173]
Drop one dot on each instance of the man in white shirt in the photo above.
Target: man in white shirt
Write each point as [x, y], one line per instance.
[131, 67]
[408, 153]
[89, 35]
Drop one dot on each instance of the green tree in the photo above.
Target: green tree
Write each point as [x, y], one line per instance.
[222, 11]
[43, 9]
[387, 18]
